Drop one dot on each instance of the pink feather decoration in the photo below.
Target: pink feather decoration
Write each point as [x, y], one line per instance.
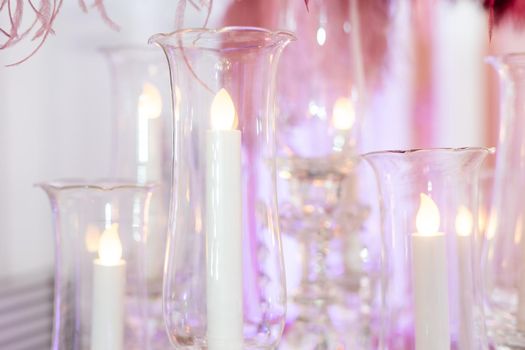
[32, 21]
[199, 5]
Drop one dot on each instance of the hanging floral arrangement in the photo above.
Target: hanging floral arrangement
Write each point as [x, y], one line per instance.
[500, 10]
[33, 20]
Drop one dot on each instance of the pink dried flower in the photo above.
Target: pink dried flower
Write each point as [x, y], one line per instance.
[500, 10]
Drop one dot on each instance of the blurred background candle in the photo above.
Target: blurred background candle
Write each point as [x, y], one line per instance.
[464, 224]
[224, 235]
[109, 283]
[430, 280]
[149, 132]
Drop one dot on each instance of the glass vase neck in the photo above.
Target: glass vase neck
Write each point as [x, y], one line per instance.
[511, 66]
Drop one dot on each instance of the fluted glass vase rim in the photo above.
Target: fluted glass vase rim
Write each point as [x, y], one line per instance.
[104, 185]
[487, 150]
[189, 37]
[507, 58]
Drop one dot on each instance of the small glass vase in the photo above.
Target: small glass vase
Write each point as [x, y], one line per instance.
[224, 286]
[431, 290]
[505, 249]
[101, 290]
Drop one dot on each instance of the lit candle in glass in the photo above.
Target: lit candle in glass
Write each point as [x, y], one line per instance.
[343, 119]
[224, 233]
[343, 116]
[430, 279]
[109, 283]
[149, 133]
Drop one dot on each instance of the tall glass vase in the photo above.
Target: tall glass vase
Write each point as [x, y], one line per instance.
[102, 299]
[431, 291]
[505, 249]
[140, 101]
[224, 286]
[321, 87]
[141, 136]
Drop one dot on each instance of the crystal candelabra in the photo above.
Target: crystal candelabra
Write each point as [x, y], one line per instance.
[320, 105]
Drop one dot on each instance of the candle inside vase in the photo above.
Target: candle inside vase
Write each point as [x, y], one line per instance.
[430, 279]
[224, 232]
[149, 134]
[109, 282]
[464, 225]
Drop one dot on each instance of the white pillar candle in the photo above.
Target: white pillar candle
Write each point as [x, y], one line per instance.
[109, 282]
[223, 230]
[464, 224]
[430, 280]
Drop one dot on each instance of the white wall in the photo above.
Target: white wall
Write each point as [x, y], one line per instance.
[55, 118]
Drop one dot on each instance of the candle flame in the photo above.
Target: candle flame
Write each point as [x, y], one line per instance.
[343, 117]
[150, 102]
[110, 248]
[464, 221]
[492, 224]
[482, 220]
[427, 218]
[223, 116]
[321, 36]
[92, 238]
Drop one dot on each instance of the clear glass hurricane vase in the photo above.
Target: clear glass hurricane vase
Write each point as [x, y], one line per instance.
[141, 134]
[505, 250]
[141, 123]
[102, 299]
[224, 286]
[431, 290]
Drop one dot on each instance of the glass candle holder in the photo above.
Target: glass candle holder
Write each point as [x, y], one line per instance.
[101, 290]
[505, 248]
[431, 292]
[224, 286]
[141, 135]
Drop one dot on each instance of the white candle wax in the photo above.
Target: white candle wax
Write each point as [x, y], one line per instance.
[464, 225]
[109, 283]
[224, 232]
[431, 292]
[430, 280]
